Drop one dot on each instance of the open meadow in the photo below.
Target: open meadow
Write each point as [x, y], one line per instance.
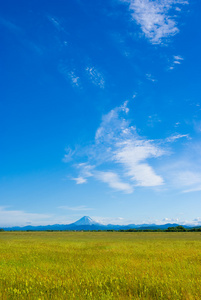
[100, 265]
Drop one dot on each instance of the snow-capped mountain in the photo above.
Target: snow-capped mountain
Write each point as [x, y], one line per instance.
[85, 221]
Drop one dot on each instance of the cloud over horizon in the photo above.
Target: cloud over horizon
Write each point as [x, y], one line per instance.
[21, 218]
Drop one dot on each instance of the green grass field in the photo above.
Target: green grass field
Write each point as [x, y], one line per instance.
[100, 265]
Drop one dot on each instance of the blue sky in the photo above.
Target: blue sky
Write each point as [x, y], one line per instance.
[100, 111]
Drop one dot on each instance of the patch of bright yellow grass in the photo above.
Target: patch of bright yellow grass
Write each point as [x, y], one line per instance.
[100, 265]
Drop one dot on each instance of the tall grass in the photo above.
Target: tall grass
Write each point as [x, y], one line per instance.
[100, 265]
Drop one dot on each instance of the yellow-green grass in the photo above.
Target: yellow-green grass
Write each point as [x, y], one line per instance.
[100, 265]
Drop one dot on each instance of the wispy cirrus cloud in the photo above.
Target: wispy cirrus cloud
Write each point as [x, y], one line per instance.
[69, 75]
[127, 149]
[189, 180]
[150, 77]
[175, 137]
[124, 160]
[155, 19]
[119, 156]
[183, 173]
[95, 76]
[194, 189]
[21, 35]
[73, 78]
[69, 155]
[11, 26]
[177, 60]
[56, 23]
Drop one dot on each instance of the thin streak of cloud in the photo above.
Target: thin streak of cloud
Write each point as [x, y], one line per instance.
[176, 137]
[196, 189]
[11, 26]
[56, 23]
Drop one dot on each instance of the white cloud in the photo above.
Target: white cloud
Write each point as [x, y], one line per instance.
[195, 222]
[177, 124]
[177, 60]
[74, 79]
[184, 172]
[177, 136]
[56, 23]
[195, 189]
[109, 220]
[122, 221]
[131, 154]
[124, 147]
[190, 181]
[69, 75]
[124, 107]
[150, 77]
[198, 219]
[124, 160]
[113, 180]
[152, 120]
[80, 180]
[118, 146]
[95, 77]
[76, 208]
[85, 169]
[20, 218]
[69, 155]
[154, 17]
[170, 220]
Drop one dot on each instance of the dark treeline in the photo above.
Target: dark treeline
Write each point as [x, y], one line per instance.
[169, 229]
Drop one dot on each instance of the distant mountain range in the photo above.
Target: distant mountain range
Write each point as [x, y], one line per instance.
[86, 223]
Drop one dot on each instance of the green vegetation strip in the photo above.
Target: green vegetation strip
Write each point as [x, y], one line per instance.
[100, 265]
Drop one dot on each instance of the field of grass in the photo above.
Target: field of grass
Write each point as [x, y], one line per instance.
[100, 265]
